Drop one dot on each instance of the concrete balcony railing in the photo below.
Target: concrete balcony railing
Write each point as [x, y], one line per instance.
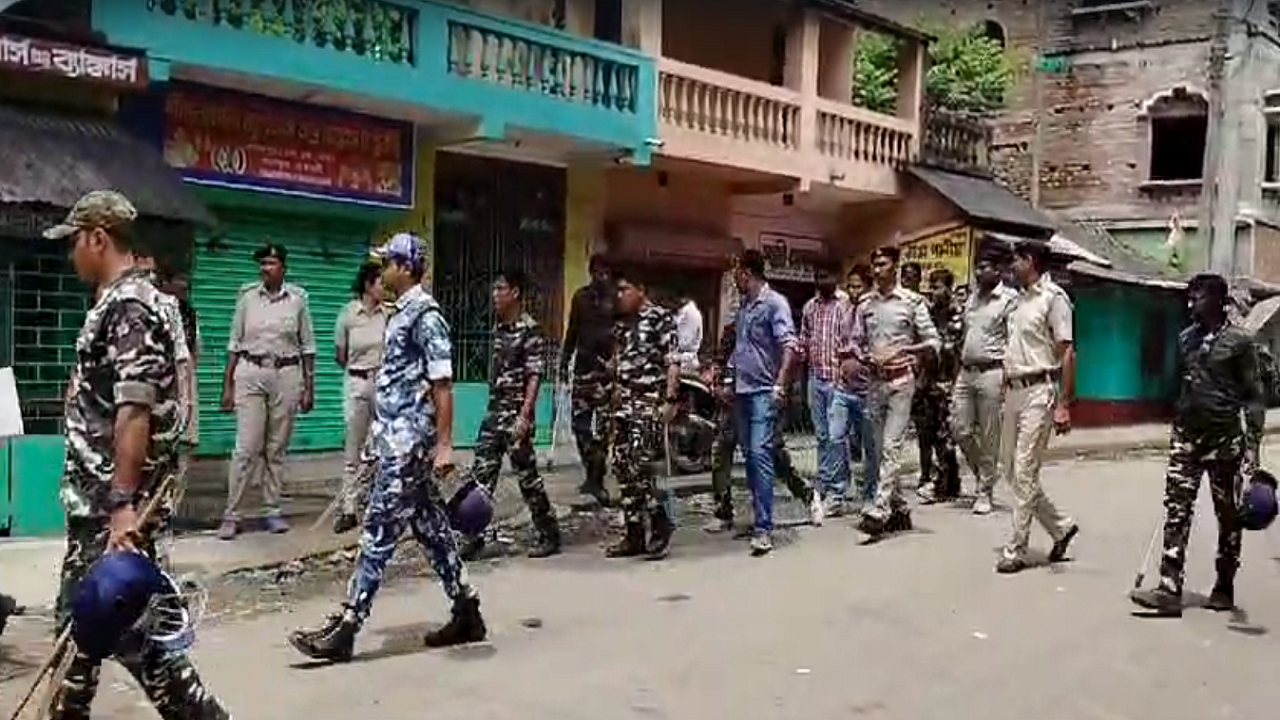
[712, 116]
[956, 141]
[409, 53]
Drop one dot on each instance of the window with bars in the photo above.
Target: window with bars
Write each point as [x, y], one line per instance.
[42, 306]
[493, 215]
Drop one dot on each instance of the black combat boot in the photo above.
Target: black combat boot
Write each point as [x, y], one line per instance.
[344, 523]
[593, 486]
[631, 544]
[1223, 596]
[334, 641]
[8, 608]
[465, 626]
[1159, 600]
[899, 521]
[661, 528]
[548, 538]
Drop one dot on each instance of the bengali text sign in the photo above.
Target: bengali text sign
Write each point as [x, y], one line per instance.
[260, 143]
[949, 249]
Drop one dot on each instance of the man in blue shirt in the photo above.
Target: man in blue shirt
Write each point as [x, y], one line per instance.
[763, 356]
[413, 437]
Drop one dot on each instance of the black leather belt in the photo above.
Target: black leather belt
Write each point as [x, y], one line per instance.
[1030, 380]
[982, 366]
[363, 374]
[268, 361]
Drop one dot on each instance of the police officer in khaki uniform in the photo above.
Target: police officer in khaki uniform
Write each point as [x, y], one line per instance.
[268, 380]
[1039, 384]
[358, 343]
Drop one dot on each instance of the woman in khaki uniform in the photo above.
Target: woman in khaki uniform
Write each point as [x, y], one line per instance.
[358, 342]
[269, 379]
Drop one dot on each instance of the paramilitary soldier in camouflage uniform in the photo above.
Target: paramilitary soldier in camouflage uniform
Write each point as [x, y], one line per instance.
[588, 340]
[514, 377]
[123, 397]
[721, 380]
[413, 433]
[1219, 383]
[646, 376]
[931, 406]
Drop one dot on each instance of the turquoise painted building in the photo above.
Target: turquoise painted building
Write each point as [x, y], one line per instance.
[326, 125]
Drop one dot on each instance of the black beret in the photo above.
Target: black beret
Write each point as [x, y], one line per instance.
[271, 250]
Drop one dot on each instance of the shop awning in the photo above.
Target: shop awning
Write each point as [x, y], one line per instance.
[54, 159]
[983, 199]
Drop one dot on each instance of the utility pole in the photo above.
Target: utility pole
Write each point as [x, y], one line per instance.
[1037, 89]
[1224, 154]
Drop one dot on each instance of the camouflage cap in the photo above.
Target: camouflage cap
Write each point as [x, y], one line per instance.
[100, 208]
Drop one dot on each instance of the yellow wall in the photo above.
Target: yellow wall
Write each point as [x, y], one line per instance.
[584, 217]
[421, 219]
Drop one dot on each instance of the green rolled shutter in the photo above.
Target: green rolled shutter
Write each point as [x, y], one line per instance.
[324, 255]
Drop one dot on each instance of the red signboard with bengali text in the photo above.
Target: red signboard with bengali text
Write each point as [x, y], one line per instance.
[230, 139]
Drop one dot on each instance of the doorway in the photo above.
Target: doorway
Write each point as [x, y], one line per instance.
[608, 21]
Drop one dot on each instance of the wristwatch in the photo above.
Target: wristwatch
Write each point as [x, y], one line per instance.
[118, 499]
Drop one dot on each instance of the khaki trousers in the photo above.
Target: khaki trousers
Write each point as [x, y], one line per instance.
[266, 402]
[889, 409]
[1027, 426]
[976, 419]
[357, 410]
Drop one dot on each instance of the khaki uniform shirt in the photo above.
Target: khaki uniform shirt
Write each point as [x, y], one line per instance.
[898, 318]
[1039, 321]
[362, 334]
[986, 325]
[277, 326]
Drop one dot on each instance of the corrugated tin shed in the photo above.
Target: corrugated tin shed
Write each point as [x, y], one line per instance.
[54, 159]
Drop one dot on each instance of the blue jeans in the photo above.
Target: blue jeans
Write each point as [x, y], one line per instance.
[850, 423]
[755, 415]
[833, 457]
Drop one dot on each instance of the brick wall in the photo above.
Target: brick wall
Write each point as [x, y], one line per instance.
[1094, 141]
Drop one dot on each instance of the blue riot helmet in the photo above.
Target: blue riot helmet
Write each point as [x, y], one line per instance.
[126, 592]
[470, 509]
[1258, 505]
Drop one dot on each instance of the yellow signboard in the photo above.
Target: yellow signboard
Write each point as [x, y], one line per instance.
[949, 249]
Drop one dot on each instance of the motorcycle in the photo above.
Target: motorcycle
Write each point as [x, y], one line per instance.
[693, 430]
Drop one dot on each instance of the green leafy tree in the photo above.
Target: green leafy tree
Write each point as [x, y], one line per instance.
[968, 71]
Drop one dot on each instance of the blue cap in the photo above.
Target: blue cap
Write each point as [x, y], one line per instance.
[403, 247]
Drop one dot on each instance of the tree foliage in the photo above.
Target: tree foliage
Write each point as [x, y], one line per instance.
[968, 71]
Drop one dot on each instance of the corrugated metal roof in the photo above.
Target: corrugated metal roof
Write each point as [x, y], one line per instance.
[984, 199]
[54, 159]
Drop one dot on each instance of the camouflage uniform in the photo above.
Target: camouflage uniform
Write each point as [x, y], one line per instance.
[931, 409]
[588, 336]
[726, 440]
[1219, 381]
[124, 355]
[518, 355]
[404, 494]
[645, 345]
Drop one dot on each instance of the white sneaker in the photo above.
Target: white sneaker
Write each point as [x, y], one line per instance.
[817, 511]
[982, 506]
[926, 495]
[761, 545]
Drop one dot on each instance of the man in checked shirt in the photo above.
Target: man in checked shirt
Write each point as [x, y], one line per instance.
[821, 321]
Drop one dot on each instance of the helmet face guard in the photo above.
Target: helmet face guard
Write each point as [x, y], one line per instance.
[1258, 507]
[125, 595]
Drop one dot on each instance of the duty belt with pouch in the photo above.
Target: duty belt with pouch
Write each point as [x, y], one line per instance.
[1022, 382]
[981, 366]
[271, 362]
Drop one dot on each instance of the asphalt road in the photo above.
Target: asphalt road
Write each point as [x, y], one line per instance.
[918, 627]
